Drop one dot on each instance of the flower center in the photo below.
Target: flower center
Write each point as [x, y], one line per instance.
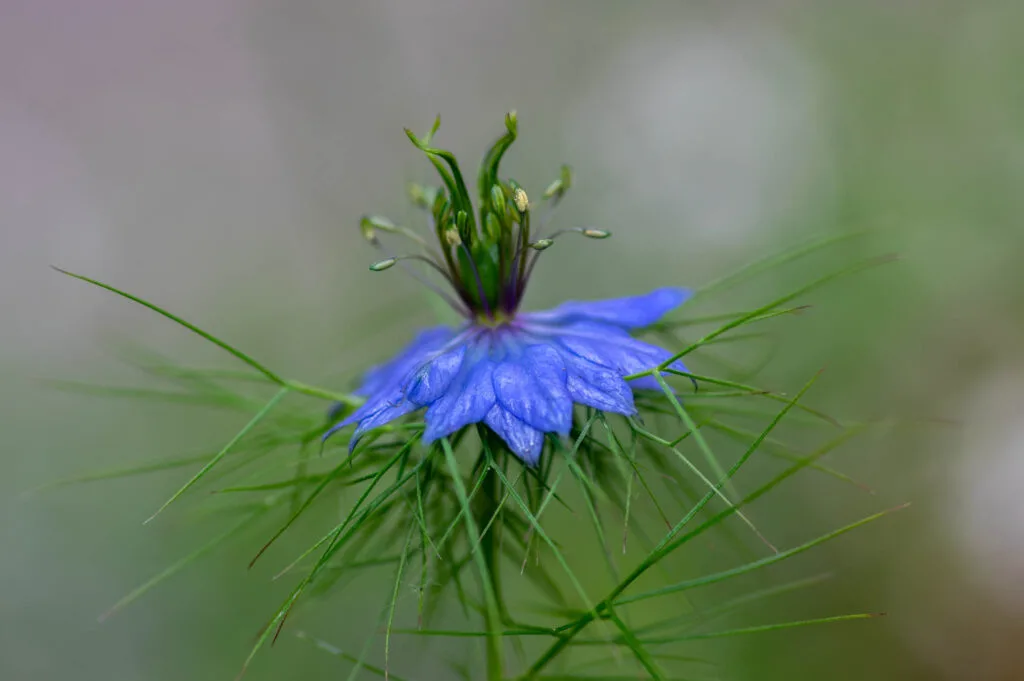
[495, 320]
[487, 252]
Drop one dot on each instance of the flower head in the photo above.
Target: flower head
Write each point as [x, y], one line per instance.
[520, 374]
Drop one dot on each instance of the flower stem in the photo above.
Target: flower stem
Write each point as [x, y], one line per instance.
[489, 546]
[495, 662]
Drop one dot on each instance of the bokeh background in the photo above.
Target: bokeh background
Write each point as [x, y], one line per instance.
[215, 156]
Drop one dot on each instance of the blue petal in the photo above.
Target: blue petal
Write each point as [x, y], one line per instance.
[374, 413]
[597, 387]
[385, 375]
[613, 349]
[370, 406]
[382, 416]
[520, 388]
[628, 313]
[524, 441]
[619, 401]
[432, 379]
[467, 401]
[532, 387]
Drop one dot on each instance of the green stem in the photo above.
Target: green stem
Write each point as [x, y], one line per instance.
[490, 546]
[495, 663]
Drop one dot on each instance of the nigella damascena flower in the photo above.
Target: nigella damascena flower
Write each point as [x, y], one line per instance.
[519, 373]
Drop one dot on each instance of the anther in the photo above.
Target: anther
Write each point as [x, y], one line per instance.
[369, 230]
[521, 200]
[589, 232]
[371, 224]
[384, 264]
[542, 244]
[422, 196]
[559, 187]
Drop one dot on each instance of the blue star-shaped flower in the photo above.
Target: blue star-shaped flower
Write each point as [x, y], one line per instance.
[522, 377]
[518, 373]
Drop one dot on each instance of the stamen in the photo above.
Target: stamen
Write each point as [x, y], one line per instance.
[557, 189]
[461, 308]
[387, 263]
[446, 236]
[532, 264]
[538, 245]
[422, 196]
[430, 259]
[544, 244]
[432, 263]
[517, 282]
[495, 244]
[452, 237]
[521, 200]
[553, 196]
[511, 291]
[369, 224]
[499, 232]
[589, 232]
[479, 282]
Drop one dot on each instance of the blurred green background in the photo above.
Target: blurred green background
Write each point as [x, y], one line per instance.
[215, 155]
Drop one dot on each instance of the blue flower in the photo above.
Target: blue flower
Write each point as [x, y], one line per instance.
[520, 374]
[522, 377]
